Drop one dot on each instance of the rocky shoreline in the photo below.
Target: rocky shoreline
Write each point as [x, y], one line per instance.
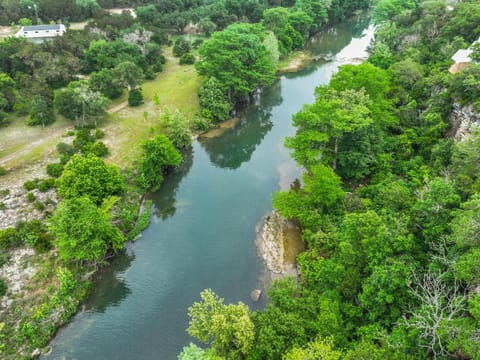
[278, 243]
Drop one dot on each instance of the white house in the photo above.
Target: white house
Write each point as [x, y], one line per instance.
[39, 33]
[462, 59]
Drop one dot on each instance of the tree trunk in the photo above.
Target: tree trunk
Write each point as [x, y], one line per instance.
[335, 151]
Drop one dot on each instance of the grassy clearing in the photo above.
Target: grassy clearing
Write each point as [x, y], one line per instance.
[177, 88]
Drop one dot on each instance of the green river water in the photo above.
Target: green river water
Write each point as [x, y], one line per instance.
[202, 233]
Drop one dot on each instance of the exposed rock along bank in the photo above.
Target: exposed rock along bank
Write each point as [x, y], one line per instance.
[463, 120]
[278, 243]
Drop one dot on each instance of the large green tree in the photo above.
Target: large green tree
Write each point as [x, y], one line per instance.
[158, 155]
[227, 328]
[88, 175]
[83, 231]
[237, 58]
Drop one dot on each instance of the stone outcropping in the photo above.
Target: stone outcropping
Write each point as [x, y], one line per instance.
[463, 119]
[278, 243]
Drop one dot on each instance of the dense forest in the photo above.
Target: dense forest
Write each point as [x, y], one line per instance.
[388, 205]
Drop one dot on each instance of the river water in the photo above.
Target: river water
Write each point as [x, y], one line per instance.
[202, 233]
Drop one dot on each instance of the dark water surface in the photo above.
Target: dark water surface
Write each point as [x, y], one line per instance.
[202, 233]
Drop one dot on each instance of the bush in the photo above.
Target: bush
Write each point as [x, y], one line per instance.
[38, 205]
[197, 43]
[3, 287]
[31, 197]
[34, 233]
[135, 97]
[99, 149]
[2, 206]
[9, 238]
[30, 185]
[55, 170]
[99, 134]
[64, 148]
[187, 59]
[46, 184]
[181, 47]
[3, 171]
[3, 258]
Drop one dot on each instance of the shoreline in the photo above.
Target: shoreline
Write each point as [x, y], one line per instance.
[278, 243]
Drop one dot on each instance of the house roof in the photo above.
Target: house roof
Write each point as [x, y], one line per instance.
[462, 55]
[41, 27]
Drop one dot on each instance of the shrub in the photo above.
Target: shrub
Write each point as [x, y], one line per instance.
[46, 184]
[3, 258]
[38, 205]
[9, 238]
[31, 197]
[3, 171]
[3, 287]
[181, 47]
[35, 234]
[99, 149]
[30, 185]
[2, 206]
[135, 97]
[55, 170]
[99, 134]
[187, 59]
[64, 148]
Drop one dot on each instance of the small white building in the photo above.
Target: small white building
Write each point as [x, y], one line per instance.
[462, 59]
[39, 33]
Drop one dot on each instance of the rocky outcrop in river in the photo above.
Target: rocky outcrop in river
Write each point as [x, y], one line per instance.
[278, 243]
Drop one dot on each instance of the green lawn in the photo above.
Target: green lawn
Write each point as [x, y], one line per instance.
[177, 88]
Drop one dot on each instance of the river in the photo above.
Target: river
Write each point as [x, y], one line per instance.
[202, 233]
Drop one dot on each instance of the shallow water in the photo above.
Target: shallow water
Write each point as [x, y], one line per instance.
[202, 233]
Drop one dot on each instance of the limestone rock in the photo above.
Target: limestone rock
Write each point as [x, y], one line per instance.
[255, 295]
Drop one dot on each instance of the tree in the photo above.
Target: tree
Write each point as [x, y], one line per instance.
[89, 176]
[237, 58]
[79, 103]
[320, 349]
[135, 97]
[41, 112]
[158, 155]
[83, 231]
[228, 328]
[214, 101]
[440, 303]
[128, 75]
[105, 82]
[321, 126]
[106, 55]
[180, 47]
[177, 128]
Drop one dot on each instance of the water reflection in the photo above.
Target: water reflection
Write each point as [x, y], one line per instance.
[330, 42]
[110, 288]
[165, 200]
[235, 145]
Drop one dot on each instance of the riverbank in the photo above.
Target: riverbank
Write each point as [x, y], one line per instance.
[278, 242]
[294, 62]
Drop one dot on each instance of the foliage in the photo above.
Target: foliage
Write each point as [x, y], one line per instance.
[187, 59]
[228, 328]
[40, 113]
[237, 59]
[181, 47]
[142, 222]
[3, 171]
[214, 101]
[89, 176]
[3, 287]
[135, 97]
[79, 103]
[177, 128]
[83, 231]
[158, 155]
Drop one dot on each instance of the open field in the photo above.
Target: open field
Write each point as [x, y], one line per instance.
[23, 148]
